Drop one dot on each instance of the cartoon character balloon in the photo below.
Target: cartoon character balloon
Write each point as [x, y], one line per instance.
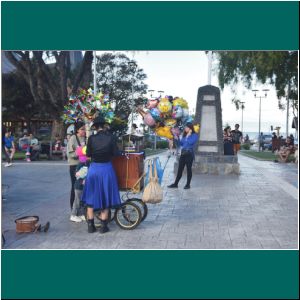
[177, 112]
[164, 131]
[164, 106]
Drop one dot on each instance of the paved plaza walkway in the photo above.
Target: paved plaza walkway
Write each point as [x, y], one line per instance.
[256, 210]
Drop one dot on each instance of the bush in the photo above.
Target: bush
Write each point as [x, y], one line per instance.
[245, 146]
[162, 144]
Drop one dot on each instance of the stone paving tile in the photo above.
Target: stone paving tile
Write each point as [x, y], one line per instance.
[260, 215]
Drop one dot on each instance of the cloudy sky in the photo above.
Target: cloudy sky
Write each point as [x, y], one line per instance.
[181, 73]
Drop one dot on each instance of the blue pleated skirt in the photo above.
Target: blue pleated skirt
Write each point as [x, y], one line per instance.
[101, 187]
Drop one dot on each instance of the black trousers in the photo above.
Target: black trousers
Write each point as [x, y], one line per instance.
[185, 160]
[73, 179]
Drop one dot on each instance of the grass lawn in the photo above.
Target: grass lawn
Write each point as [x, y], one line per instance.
[265, 155]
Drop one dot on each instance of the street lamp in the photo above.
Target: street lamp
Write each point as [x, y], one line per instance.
[160, 92]
[242, 107]
[259, 122]
[151, 92]
[132, 67]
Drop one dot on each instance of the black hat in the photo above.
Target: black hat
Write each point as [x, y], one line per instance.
[99, 121]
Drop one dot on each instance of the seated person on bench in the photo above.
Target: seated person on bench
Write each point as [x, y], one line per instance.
[287, 149]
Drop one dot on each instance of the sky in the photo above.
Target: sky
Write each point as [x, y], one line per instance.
[181, 73]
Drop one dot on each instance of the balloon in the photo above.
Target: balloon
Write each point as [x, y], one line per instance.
[164, 131]
[148, 120]
[152, 103]
[80, 154]
[164, 105]
[84, 150]
[155, 113]
[177, 112]
[170, 122]
[197, 128]
[180, 102]
[185, 112]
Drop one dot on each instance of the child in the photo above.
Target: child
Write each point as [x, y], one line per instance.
[77, 214]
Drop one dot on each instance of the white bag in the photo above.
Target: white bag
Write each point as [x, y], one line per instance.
[153, 192]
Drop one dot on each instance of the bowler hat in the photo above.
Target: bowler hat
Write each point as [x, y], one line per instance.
[99, 121]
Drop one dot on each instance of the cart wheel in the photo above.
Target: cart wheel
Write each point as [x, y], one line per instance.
[142, 205]
[128, 216]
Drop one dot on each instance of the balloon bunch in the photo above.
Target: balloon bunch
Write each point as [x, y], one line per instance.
[87, 105]
[167, 116]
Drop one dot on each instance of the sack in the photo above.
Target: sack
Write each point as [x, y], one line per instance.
[153, 192]
[27, 224]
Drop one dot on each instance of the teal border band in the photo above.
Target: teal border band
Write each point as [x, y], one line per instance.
[150, 274]
[145, 25]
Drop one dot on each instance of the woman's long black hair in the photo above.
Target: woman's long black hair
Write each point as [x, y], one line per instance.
[190, 126]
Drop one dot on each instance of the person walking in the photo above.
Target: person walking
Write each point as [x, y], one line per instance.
[9, 148]
[237, 137]
[228, 143]
[76, 140]
[101, 192]
[187, 142]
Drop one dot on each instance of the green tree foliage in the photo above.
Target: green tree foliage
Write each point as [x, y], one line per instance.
[118, 79]
[278, 68]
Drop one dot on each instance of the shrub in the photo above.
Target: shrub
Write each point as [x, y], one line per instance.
[245, 146]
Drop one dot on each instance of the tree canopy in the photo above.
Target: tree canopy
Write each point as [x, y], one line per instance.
[50, 79]
[278, 68]
[116, 77]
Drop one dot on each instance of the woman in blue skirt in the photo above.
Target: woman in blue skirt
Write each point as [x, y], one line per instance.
[101, 190]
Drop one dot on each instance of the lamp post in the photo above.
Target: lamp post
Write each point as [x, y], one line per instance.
[95, 84]
[132, 68]
[242, 107]
[160, 92]
[259, 122]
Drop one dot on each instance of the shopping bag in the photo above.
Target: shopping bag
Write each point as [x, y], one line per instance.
[153, 192]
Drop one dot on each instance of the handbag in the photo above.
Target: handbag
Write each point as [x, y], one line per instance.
[153, 192]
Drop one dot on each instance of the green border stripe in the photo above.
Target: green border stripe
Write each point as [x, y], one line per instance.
[150, 274]
[150, 25]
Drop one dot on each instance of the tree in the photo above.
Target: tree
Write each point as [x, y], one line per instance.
[51, 83]
[278, 68]
[118, 79]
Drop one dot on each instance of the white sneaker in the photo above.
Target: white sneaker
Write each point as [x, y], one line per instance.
[82, 218]
[6, 165]
[9, 164]
[75, 219]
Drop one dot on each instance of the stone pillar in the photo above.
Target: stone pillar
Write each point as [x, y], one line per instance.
[209, 152]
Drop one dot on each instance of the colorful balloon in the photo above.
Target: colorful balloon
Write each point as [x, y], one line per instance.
[164, 132]
[170, 122]
[164, 105]
[177, 112]
[155, 113]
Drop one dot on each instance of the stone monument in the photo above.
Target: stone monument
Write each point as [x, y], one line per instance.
[209, 153]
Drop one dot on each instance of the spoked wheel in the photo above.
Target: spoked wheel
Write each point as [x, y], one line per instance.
[128, 216]
[142, 205]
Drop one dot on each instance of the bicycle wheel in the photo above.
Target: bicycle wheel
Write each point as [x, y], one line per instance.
[142, 205]
[128, 216]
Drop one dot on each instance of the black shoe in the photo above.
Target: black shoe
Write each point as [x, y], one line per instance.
[187, 187]
[173, 185]
[91, 226]
[45, 227]
[103, 228]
